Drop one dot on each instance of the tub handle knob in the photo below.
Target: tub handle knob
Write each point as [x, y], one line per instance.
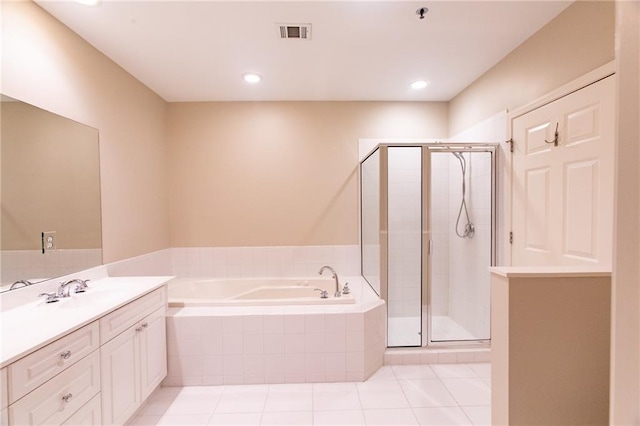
[346, 289]
[324, 294]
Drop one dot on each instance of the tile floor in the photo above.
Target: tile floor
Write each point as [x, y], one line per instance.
[437, 394]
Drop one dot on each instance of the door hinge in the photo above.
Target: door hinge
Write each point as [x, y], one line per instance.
[510, 237]
[510, 142]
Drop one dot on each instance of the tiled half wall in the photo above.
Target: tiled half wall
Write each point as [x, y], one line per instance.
[210, 347]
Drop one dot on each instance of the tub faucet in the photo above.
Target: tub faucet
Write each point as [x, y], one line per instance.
[335, 277]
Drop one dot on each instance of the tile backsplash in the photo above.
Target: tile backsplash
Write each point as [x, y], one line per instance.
[242, 262]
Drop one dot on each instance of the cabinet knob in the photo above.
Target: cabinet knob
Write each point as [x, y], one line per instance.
[67, 397]
[65, 355]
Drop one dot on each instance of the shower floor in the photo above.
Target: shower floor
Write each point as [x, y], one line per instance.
[405, 331]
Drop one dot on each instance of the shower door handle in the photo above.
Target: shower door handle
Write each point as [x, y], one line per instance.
[430, 247]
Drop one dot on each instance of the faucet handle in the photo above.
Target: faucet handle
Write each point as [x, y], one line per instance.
[346, 289]
[51, 297]
[324, 294]
[81, 287]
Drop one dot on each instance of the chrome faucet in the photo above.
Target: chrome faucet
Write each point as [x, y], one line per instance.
[81, 286]
[335, 277]
[19, 282]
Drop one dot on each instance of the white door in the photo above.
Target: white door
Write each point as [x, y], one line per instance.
[562, 212]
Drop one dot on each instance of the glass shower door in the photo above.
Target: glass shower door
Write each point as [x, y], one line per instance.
[404, 301]
[461, 220]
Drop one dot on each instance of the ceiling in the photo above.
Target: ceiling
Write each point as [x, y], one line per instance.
[359, 50]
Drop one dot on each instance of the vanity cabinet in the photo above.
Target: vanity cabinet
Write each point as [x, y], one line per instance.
[100, 373]
[134, 362]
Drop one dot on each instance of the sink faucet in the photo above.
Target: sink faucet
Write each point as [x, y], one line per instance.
[17, 284]
[81, 286]
[334, 276]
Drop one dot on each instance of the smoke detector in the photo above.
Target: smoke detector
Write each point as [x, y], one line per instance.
[299, 31]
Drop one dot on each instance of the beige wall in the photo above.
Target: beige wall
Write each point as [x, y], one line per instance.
[50, 180]
[578, 40]
[47, 65]
[625, 356]
[278, 173]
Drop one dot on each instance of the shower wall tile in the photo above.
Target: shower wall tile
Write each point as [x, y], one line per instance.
[405, 239]
[469, 258]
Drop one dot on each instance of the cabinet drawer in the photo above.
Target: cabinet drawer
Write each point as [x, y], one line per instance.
[90, 414]
[36, 368]
[119, 320]
[59, 398]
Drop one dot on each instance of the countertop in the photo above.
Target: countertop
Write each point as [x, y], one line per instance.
[31, 326]
[550, 271]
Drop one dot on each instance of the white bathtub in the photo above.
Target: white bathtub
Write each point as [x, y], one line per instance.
[184, 292]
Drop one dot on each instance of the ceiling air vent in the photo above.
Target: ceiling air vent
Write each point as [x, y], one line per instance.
[299, 31]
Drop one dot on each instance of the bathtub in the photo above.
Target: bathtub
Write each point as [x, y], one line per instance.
[228, 332]
[193, 292]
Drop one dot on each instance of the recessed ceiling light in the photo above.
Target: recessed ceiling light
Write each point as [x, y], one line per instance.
[419, 84]
[88, 2]
[251, 77]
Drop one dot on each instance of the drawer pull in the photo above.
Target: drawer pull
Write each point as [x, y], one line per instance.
[67, 397]
[66, 354]
[139, 328]
[145, 325]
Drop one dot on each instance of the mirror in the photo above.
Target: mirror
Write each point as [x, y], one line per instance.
[50, 217]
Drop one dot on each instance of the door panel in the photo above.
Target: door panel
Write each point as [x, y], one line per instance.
[536, 188]
[580, 210]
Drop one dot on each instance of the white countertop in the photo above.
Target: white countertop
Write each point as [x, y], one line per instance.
[550, 271]
[30, 326]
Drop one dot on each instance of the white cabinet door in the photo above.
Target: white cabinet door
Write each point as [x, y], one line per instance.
[120, 377]
[153, 352]
[562, 212]
[133, 365]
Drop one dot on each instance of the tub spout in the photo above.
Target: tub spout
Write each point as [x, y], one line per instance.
[334, 276]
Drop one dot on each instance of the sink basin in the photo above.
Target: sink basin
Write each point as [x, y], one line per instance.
[94, 295]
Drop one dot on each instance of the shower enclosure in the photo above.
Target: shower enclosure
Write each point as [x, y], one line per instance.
[428, 238]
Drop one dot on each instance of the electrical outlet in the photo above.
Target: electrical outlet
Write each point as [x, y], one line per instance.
[48, 241]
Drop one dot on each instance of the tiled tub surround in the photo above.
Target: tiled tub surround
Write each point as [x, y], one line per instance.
[277, 344]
